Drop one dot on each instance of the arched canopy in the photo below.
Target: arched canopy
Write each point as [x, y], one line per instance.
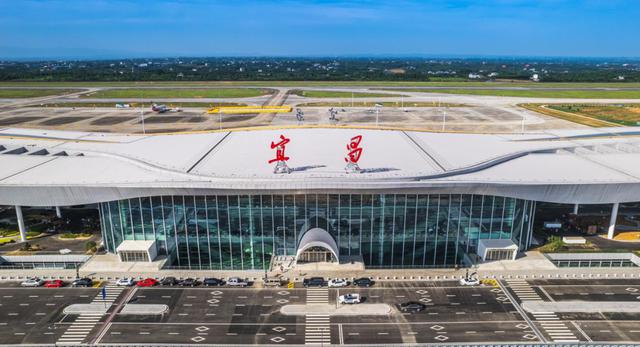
[317, 237]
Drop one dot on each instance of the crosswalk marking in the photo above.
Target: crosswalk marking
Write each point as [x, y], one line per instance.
[83, 324]
[549, 321]
[317, 326]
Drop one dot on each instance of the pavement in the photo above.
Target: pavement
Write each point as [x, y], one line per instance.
[480, 113]
[224, 315]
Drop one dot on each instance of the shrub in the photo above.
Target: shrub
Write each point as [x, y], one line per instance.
[90, 246]
[554, 244]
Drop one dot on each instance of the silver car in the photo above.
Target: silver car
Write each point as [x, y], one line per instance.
[32, 282]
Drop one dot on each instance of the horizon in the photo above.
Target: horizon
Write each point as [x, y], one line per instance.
[327, 57]
[71, 30]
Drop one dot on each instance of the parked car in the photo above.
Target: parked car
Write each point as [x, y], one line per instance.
[237, 282]
[412, 306]
[189, 282]
[54, 284]
[169, 281]
[147, 282]
[32, 282]
[337, 282]
[82, 282]
[210, 281]
[125, 282]
[469, 281]
[273, 282]
[313, 282]
[351, 298]
[363, 282]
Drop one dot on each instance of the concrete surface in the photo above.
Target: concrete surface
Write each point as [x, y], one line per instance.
[144, 309]
[85, 309]
[581, 306]
[333, 310]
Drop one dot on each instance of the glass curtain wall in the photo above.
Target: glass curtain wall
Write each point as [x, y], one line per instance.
[386, 230]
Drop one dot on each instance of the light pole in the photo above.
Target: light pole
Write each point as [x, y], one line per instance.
[144, 132]
[444, 119]
[142, 117]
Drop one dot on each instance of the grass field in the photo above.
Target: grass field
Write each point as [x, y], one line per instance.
[572, 113]
[339, 94]
[32, 93]
[534, 93]
[623, 114]
[452, 84]
[178, 93]
[383, 103]
[133, 104]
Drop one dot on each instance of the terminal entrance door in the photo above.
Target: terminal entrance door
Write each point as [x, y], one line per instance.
[316, 254]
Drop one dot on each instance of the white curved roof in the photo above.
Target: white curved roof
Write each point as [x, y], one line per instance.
[318, 237]
[63, 168]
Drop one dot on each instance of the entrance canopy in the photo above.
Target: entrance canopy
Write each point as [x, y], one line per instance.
[137, 251]
[317, 237]
[497, 249]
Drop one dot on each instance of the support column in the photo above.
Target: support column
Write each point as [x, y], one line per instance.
[575, 208]
[58, 212]
[23, 230]
[612, 221]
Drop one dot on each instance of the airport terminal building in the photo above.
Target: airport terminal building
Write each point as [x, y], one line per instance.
[390, 199]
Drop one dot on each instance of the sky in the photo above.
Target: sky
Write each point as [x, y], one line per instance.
[157, 28]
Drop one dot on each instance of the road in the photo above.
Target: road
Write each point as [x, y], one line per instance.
[221, 315]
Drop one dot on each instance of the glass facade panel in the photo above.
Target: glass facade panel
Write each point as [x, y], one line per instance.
[243, 232]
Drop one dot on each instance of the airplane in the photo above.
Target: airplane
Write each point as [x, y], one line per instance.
[160, 108]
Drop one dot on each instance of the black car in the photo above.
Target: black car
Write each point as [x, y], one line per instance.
[412, 306]
[189, 282]
[313, 282]
[82, 282]
[169, 281]
[363, 282]
[212, 282]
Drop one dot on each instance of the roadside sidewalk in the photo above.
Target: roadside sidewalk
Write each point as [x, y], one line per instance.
[533, 265]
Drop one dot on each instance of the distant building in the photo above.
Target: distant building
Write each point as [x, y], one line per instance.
[535, 77]
[474, 76]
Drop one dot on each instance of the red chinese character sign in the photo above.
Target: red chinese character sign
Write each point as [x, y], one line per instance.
[281, 158]
[353, 154]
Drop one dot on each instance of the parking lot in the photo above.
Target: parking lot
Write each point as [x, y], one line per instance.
[224, 315]
[34, 315]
